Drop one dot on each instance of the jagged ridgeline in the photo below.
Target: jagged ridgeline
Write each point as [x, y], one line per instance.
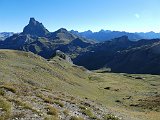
[105, 35]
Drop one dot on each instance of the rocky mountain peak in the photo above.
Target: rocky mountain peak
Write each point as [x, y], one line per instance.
[62, 30]
[35, 28]
[32, 21]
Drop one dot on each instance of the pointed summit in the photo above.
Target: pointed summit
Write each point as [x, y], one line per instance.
[32, 21]
[35, 28]
[62, 30]
[63, 35]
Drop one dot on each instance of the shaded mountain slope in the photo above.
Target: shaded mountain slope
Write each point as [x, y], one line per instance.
[122, 55]
[144, 59]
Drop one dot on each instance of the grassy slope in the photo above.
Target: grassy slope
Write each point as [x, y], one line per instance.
[129, 91]
[21, 69]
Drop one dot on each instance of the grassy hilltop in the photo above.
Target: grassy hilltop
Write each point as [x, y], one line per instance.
[33, 88]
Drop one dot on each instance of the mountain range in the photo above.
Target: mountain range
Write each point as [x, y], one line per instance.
[4, 35]
[105, 35]
[37, 39]
[121, 54]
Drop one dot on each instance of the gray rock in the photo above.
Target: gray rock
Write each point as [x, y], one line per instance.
[63, 56]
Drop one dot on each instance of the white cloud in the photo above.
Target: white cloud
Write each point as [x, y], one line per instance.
[137, 15]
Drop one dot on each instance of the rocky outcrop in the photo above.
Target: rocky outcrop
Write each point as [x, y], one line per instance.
[63, 56]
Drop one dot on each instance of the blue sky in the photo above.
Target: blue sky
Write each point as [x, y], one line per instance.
[121, 15]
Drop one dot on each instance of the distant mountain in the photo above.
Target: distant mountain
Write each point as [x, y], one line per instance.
[37, 39]
[5, 35]
[123, 55]
[35, 28]
[149, 35]
[105, 35]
